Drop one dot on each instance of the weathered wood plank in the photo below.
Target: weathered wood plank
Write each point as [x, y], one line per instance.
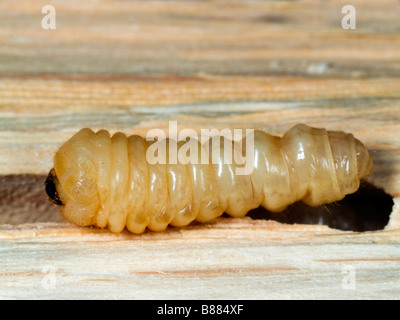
[134, 65]
[254, 259]
[216, 37]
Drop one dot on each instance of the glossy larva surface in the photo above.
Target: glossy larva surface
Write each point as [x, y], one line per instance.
[106, 181]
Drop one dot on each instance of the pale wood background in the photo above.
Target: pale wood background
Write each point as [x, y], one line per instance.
[134, 65]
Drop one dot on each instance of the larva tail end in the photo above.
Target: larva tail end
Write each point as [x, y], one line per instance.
[364, 160]
[51, 189]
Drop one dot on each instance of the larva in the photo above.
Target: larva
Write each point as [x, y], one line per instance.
[106, 181]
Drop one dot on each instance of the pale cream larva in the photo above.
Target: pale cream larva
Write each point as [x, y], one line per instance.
[107, 181]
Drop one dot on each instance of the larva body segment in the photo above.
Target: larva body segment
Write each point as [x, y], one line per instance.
[108, 181]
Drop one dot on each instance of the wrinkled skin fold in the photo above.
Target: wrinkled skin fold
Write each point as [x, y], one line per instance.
[106, 181]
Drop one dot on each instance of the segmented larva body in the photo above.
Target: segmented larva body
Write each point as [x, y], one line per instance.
[106, 181]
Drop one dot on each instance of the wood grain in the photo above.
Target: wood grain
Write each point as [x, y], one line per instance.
[254, 259]
[134, 65]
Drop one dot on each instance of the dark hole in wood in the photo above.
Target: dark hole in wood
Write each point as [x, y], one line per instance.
[23, 200]
[366, 210]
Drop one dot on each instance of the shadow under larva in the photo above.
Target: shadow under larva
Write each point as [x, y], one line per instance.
[108, 181]
[368, 209]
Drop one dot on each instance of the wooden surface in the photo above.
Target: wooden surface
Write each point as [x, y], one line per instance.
[231, 259]
[134, 65]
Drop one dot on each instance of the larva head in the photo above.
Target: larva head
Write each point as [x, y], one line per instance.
[51, 185]
[73, 181]
[364, 160]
